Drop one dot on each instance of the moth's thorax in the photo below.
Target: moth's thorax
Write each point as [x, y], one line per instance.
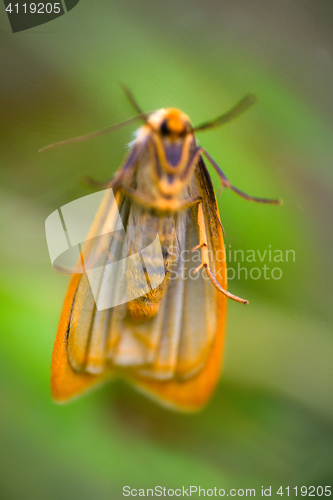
[150, 179]
[169, 145]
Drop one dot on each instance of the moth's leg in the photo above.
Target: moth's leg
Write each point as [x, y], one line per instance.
[205, 258]
[226, 183]
[110, 183]
[161, 205]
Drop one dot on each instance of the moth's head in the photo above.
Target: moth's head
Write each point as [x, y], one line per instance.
[170, 123]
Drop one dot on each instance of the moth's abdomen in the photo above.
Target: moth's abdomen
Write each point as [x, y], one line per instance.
[153, 273]
[147, 277]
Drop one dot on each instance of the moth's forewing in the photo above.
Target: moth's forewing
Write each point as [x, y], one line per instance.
[69, 376]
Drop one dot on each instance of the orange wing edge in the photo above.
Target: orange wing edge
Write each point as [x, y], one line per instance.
[65, 382]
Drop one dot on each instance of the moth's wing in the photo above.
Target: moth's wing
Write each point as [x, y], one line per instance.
[79, 353]
[187, 335]
[65, 381]
[176, 355]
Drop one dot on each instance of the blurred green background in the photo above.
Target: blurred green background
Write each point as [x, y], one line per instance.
[270, 420]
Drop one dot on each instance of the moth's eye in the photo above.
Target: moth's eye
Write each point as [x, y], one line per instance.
[164, 128]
